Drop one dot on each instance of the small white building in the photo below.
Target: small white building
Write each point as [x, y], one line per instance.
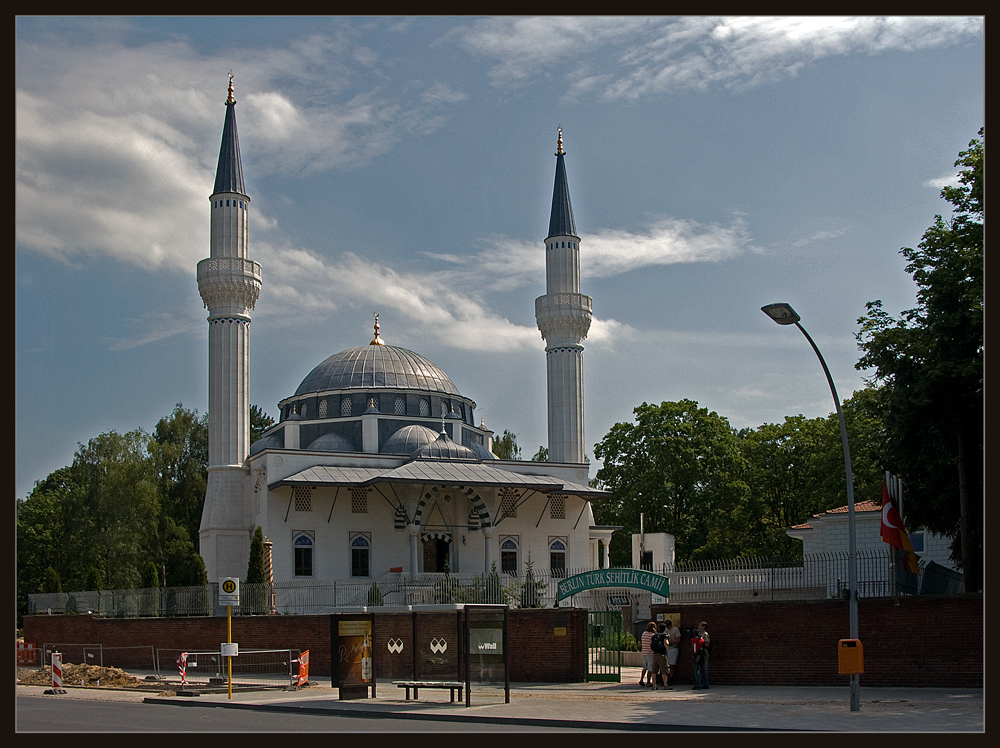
[825, 537]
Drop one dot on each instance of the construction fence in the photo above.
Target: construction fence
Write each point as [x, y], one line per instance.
[251, 667]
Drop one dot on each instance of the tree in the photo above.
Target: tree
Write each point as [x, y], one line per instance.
[796, 469]
[533, 589]
[255, 569]
[178, 449]
[929, 365]
[542, 455]
[505, 448]
[680, 466]
[117, 483]
[259, 423]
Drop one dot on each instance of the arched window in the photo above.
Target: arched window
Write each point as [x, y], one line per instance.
[302, 543]
[508, 555]
[425, 408]
[345, 406]
[557, 556]
[361, 545]
[322, 408]
[399, 407]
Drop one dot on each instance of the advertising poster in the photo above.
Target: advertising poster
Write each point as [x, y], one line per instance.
[486, 654]
[354, 660]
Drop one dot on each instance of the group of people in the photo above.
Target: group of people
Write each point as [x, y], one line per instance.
[661, 646]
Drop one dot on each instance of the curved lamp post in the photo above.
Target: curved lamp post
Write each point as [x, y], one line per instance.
[783, 314]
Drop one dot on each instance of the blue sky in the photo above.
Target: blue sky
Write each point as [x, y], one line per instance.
[405, 166]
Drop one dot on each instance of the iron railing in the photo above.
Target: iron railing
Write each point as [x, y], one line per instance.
[815, 577]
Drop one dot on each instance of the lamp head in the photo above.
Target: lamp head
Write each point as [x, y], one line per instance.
[781, 313]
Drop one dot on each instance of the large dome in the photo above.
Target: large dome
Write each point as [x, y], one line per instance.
[373, 366]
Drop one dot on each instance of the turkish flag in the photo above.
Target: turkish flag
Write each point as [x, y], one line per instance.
[893, 531]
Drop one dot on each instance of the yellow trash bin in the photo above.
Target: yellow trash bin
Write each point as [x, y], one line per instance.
[850, 657]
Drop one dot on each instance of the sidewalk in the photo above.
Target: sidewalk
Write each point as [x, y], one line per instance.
[623, 706]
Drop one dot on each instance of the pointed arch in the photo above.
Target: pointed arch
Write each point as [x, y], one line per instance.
[479, 512]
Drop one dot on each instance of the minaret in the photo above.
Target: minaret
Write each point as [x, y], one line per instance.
[563, 315]
[229, 284]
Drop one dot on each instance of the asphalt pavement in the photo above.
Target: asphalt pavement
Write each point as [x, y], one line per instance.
[600, 706]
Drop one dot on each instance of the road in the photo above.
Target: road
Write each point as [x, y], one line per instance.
[51, 714]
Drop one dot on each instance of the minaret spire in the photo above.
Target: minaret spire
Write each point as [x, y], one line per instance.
[229, 283]
[563, 316]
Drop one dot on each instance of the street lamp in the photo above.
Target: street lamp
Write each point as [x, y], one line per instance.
[783, 314]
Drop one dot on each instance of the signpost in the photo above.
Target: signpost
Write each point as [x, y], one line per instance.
[229, 595]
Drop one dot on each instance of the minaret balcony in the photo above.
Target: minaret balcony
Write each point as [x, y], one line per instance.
[563, 303]
[229, 281]
[564, 318]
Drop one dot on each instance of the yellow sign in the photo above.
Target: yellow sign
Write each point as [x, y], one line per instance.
[559, 631]
[354, 628]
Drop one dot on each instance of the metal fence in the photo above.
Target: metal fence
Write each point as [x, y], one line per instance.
[815, 577]
[132, 659]
[251, 667]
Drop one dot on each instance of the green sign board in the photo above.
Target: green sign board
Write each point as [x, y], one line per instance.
[636, 578]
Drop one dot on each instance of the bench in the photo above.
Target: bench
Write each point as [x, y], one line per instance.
[416, 685]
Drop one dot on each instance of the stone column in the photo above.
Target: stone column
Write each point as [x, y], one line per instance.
[488, 542]
[414, 531]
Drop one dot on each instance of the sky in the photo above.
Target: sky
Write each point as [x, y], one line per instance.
[405, 165]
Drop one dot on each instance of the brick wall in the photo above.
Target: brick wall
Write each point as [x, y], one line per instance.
[796, 643]
[536, 652]
[778, 643]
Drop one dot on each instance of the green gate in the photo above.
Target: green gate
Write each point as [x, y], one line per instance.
[604, 658]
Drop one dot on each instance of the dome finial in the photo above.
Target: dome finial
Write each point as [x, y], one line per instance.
[376, 340]
[230, 99]
[559, 146]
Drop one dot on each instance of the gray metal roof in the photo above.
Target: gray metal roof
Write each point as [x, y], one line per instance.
[375, 366]
[573, 489]
[329, 475]
[461, 473]
[229, 174]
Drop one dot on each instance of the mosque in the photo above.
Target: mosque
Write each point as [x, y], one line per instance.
[376, 464]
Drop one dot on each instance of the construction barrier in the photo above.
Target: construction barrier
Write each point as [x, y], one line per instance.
[57, 671]
[303, 676]
[182, 667]
[27, 654]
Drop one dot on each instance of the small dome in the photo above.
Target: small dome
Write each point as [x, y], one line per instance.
[271, 441]
[481, 452]
[408, 440]
[331, 443]
[444, 448]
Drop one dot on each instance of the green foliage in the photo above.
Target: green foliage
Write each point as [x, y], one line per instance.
[375, 596]
[542, 455]
[532, 590]
[256, 573]
[928, 365]
[128, 504]
[52, 582]
[625, 642]
[680, 466]
[505, 448]
[150, 576]
[259, 423]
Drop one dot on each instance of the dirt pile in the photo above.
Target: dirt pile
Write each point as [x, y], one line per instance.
[74, 675]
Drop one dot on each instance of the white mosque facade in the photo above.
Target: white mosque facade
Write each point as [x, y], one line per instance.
[376, 464]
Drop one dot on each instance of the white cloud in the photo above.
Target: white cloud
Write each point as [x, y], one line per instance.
[673, 54]
[114, 142]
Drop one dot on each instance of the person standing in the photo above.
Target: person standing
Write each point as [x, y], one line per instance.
[647, 655]
[674, 650]
[700, 642]
[659, 644]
